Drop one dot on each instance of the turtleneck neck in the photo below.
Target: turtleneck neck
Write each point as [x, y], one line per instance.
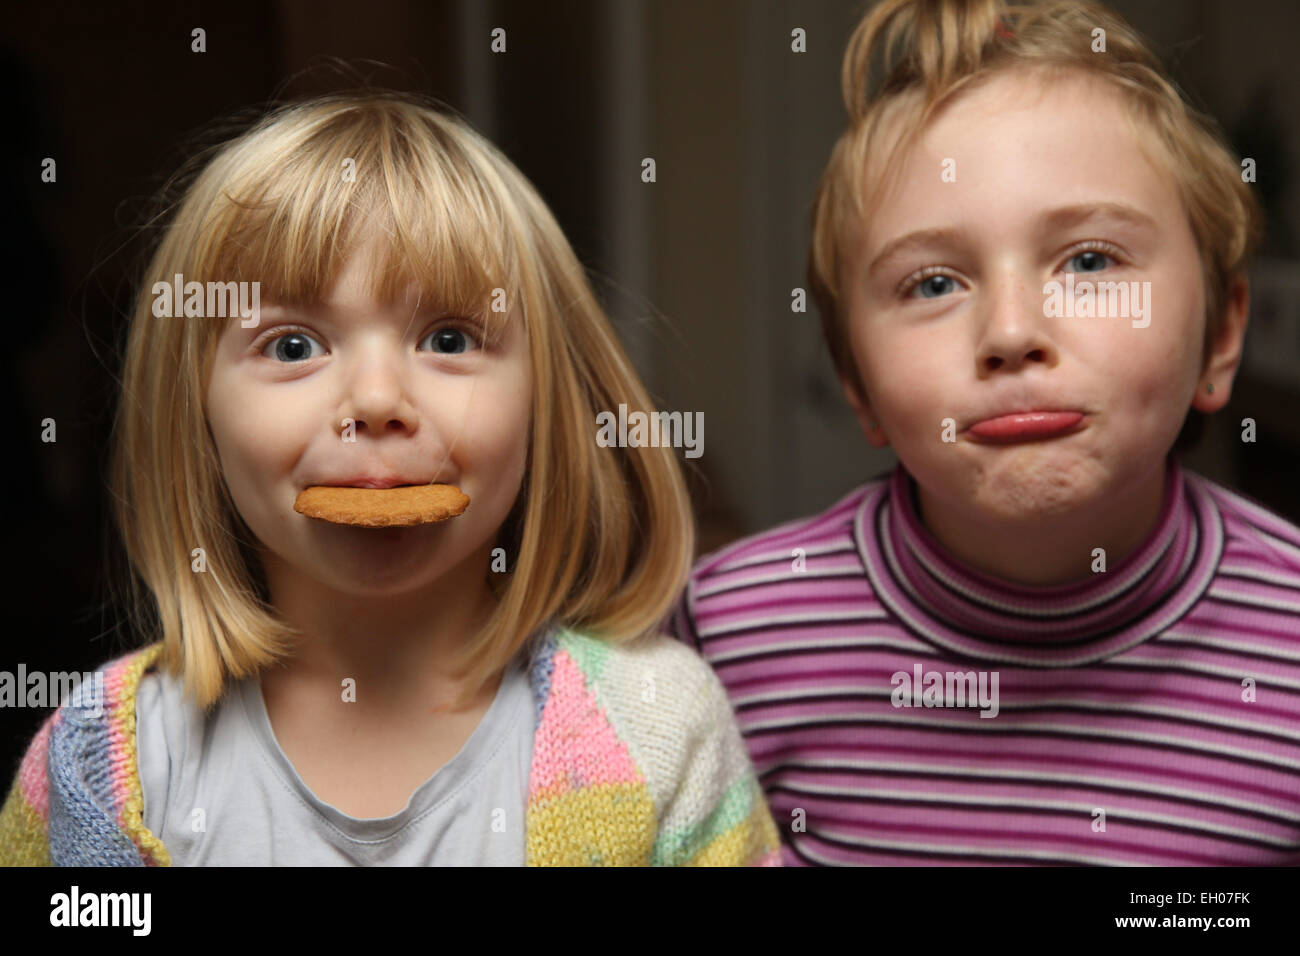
[968, 612]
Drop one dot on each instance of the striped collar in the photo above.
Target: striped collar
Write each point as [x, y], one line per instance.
[966, 612]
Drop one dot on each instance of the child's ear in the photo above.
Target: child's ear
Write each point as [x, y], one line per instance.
[866, 418]
[1214, 387]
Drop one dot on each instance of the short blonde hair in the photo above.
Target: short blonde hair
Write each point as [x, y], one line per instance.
[599, 539]
[908, 57]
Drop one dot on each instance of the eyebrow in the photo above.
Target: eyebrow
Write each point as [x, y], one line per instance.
[1063, 217]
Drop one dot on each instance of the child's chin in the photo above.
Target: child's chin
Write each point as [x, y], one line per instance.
[379, 582]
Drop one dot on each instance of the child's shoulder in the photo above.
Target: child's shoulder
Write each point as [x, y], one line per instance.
[649, 691]
[642, 670]
[1252, 531]
[100, 705]
[83, 754]
[651, 713]
[110, 690]
[644, 728]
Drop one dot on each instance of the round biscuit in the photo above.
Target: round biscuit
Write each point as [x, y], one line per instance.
[382, 507]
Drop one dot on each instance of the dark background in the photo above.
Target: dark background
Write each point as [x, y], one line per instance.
[696, 270]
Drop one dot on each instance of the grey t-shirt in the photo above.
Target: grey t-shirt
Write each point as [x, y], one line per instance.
[221, 792]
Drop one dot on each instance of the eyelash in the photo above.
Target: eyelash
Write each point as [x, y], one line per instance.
[471, 328]
[906, 287]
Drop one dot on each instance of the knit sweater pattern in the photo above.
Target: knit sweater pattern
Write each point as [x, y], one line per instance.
[636, 762]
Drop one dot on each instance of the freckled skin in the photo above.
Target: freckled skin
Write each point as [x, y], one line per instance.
[1033, 512]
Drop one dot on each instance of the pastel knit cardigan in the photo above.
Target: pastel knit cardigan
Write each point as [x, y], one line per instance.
[636, 761]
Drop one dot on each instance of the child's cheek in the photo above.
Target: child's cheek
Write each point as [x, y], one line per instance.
[912, 371]
[1158, 361]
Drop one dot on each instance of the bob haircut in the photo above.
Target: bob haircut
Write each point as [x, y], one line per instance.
[921, 53]
[600, 540]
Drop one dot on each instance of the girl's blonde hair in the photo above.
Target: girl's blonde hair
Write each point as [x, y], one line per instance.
[908, 57]
[600, 539]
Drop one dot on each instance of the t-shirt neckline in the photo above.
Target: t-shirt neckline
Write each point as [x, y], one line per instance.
[440, 786]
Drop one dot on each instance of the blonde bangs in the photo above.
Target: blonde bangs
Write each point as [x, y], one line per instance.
[343, 169]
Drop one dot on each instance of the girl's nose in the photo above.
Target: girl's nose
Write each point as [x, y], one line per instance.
[375, 398]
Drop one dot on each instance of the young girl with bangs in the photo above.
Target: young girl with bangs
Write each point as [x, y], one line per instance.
[489, 689]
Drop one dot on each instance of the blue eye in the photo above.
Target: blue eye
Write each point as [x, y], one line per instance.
[929, 284]
[1095, 260]
[935, 286]
[293, 347]
[452, 341]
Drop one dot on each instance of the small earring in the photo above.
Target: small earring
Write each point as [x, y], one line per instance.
[1209, 388]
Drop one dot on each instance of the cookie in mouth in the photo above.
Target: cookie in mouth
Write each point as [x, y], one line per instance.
[401, 507]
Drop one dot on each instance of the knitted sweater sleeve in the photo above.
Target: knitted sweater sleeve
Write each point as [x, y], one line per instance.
[667, 704]
[716, 813]
[24, 819]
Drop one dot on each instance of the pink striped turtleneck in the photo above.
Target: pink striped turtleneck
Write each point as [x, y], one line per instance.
[1149, 714]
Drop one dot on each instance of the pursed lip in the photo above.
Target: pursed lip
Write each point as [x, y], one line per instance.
[1041, 410]
[371, 481]
[1026, 425]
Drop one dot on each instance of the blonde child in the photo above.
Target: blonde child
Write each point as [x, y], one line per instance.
[1039, 641]
[484, 690]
